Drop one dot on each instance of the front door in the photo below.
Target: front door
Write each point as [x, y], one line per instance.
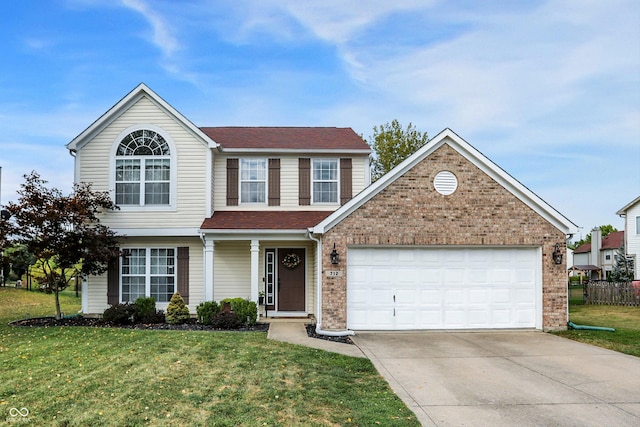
[291, 279]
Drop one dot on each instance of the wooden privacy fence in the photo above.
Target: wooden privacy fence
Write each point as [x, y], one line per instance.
[612, 293]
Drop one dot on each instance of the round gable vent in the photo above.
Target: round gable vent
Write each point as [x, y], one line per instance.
[445, 183]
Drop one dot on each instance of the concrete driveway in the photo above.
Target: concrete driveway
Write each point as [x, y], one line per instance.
[506, 378]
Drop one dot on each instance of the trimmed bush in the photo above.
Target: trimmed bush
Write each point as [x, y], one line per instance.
[177, 311]
[120, 314]
[146, 311]
[206, 310]
[226, 320]
[247, 311]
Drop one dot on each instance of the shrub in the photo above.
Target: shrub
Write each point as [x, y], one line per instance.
[206, 310]
[146, 310]
[177, 310]
[156, 316]
[226, 320]
[247, 311]
[120, 314]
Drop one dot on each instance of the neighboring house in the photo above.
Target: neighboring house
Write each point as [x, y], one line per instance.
[631, 215]
[446, 240]
[596, 260]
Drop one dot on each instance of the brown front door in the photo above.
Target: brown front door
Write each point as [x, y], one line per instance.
[291, 279]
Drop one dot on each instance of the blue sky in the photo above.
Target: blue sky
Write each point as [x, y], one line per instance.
[548, 90]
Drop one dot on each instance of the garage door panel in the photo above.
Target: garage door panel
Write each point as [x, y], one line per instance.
[454, 276]
[444, 288]
[454, 297]
[479, 318]
[501, 317]
[430, 298]
[478, 296]
[455, 319]
[359, 296]
[478, 276]
[430, 275]
[430, 319]
[523, 296]
[406, 296]
[501, 296]
[406, 275]
[380, 297]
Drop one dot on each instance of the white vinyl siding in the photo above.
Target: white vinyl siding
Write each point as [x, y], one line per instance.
[231, 270]
[288, 184]
[191, 170]
[97, 286]
[632, 237]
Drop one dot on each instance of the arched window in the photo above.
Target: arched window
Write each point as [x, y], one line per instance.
[143, 169]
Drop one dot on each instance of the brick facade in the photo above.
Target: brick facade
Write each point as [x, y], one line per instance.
[410, 212]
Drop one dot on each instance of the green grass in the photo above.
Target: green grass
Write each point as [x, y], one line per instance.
[625, 320]
[76, 376]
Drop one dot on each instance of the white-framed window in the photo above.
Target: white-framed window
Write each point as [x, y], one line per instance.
[253, 180]
[148, 272]
[324, 181]
[638, 225]
[143, 169]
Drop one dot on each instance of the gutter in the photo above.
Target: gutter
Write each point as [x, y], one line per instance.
[319, 329]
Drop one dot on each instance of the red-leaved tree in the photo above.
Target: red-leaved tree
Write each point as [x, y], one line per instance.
[63, 233]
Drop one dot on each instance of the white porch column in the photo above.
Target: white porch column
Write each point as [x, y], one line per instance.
[255, 252]
[209, 248]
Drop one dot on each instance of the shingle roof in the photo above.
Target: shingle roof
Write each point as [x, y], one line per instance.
[583, 248]
[613, 240]
[330, 138]
[263, 220]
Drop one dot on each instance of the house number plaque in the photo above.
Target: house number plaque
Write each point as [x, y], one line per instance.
[334, 273]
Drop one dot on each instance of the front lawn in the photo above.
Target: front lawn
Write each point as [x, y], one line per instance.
[625, 320]
[76, 376]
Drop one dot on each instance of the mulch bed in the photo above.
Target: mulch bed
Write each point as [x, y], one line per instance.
[311, 331]
[193, 325]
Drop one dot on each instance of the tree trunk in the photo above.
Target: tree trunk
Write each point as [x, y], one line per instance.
[58, 312]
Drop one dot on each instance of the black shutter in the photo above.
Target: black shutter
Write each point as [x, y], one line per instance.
[183, 273]
[274, 182]
[232, 182]
[345, 181]
[113, 282]
[304, 182]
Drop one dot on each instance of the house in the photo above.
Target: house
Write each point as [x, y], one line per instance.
[631, 215]
[596, 260]
[446, 240]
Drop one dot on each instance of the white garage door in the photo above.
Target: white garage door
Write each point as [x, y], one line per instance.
[428, 288]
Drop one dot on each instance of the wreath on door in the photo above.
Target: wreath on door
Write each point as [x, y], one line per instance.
[291, 261]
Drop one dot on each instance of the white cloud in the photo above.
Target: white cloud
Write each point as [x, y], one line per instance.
[162, 33]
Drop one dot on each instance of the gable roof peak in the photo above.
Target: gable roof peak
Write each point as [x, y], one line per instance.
[131, 98]
[449, 137]
[623, 211]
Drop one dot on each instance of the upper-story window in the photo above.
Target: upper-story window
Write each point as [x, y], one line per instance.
[143, 169]
[325, 180]
[638, 225]
[253, 180]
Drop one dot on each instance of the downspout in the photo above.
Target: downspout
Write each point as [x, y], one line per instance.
[319, 329]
